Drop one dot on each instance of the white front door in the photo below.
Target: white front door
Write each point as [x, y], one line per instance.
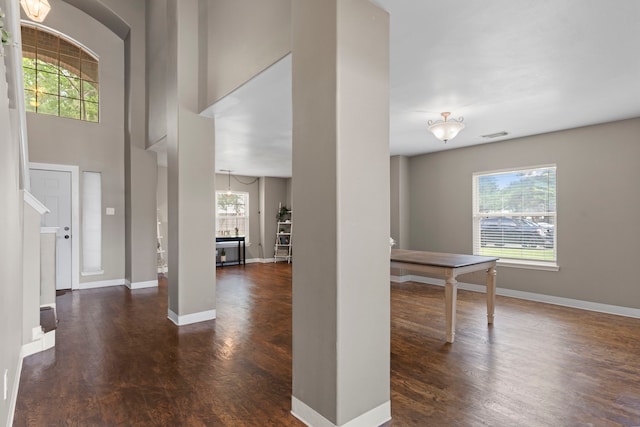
[53, 189]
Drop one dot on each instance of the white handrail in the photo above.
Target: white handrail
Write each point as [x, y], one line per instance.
[13, 53]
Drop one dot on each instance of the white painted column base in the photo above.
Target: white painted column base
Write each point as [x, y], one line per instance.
[101, 284]
[375, 417]
[188, 319]
[41, 343]
[142, 285]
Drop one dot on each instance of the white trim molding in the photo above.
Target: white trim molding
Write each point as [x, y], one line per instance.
[259, 260]
[42, 343]
[101, 284]
[530, 296]
[14, 391]
[31, 200]
[375, 417]
[92, 273]
[187, 319]
[141, 285]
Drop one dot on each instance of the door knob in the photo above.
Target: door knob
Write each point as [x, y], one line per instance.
[66, 236]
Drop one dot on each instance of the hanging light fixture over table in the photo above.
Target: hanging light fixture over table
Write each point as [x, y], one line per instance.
[445, 129]
[229, 183]
[36, 10]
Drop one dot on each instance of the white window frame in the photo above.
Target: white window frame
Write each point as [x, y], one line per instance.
[550, 265]
[246, 216]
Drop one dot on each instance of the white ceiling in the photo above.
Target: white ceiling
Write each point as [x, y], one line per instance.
[253, 125]
[520, 66]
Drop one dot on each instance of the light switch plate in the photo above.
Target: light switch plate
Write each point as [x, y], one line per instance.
[111, 211]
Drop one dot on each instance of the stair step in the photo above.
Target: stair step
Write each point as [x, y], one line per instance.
[48, 319]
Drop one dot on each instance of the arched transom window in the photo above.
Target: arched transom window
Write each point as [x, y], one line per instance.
[60, 77]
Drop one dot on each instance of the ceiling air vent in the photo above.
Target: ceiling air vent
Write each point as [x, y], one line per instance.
[496, 135]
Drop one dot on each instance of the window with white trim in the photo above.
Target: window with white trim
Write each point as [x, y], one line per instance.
[232, 214]
[514, 215]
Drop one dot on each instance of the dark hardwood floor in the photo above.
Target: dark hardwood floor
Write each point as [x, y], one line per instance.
[119, 361]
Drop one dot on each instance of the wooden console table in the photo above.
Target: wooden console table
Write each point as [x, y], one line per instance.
[449, 266]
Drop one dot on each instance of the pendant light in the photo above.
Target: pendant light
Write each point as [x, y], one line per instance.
[36, 10]
[445, 129]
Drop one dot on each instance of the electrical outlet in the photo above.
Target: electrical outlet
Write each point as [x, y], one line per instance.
[6, 385]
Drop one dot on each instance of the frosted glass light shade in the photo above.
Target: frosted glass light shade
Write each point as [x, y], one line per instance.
[36, 10]
[446, 129]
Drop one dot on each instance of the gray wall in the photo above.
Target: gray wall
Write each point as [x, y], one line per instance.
[399, 167]
[598, 208]
[140, 165]
[157, 70]
[97, 147]
[245, 37]
[289, 196]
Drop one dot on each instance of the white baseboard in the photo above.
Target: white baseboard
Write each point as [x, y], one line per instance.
[30, 348]
[42, 343]
[36, 333]
[259, 261]
[264, 260]
[14, 393]
[530, 296]
[92, 273]
[101, 284]
[375, 417]
[141, 285]
[188, 319]
[49, 340]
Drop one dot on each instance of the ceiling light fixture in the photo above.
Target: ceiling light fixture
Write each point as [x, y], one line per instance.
[229, 182]
[36, 10]
[445, 129]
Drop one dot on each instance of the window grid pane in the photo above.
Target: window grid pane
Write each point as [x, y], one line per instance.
[69, 108]
[232, 214]
[60, 77]
[30, 100]
[69, 87]
[47, 104]
[89, 111]
[90, 91]
[514, 215]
